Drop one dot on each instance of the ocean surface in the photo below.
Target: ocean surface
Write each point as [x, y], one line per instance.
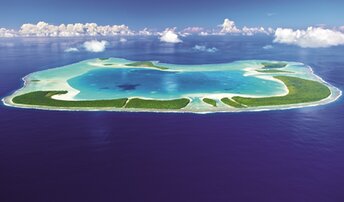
[286, 155]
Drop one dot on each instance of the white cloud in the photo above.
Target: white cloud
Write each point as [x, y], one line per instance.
[184, 34]
[169, 36]
[68, 50]
[145, 32]
[43, 29]
[7, 33]
[122, 40]
[267, 47]
[312, 37]
[228, 26]
[95, 46]
[193, 30]
[271, 30]
[204, 49]
[250, 31]
[203, 33]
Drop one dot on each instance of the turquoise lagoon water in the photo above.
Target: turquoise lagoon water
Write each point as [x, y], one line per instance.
[115, 83]
[108, 79]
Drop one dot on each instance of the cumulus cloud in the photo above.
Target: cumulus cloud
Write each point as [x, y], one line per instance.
[145, 32]
[250, 31]
[169, 36]
[68, 50]
[7, 33]
[95, 46]
[312, 37]
[43, 29]
[204, 49]
[228, 26]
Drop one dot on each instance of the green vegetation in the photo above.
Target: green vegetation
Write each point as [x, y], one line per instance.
[35, 80]
[146, 64]
[43, 98]
[103, 58]
[272, 71]
[232, 103]
[157, 104]
[300, 91]
[108, 64]
[274, 64]
[210, 101]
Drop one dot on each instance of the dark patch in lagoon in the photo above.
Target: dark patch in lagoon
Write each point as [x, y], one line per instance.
[128, 86]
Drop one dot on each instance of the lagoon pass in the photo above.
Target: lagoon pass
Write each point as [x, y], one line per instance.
[115, 84]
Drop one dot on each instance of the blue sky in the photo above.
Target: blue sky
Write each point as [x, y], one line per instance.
[174, 13]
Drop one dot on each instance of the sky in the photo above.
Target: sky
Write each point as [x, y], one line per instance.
[159, 14]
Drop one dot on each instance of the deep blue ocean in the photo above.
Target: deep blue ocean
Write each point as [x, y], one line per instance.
[289, 155]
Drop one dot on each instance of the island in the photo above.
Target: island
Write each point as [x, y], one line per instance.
[116, 84]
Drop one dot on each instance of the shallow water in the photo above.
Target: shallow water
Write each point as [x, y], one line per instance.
[119, 83]
[290, 155]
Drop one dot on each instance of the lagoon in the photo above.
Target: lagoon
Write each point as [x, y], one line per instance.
[182, 88]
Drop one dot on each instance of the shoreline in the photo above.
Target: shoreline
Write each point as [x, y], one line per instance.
[332, 98]
[190, 108]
